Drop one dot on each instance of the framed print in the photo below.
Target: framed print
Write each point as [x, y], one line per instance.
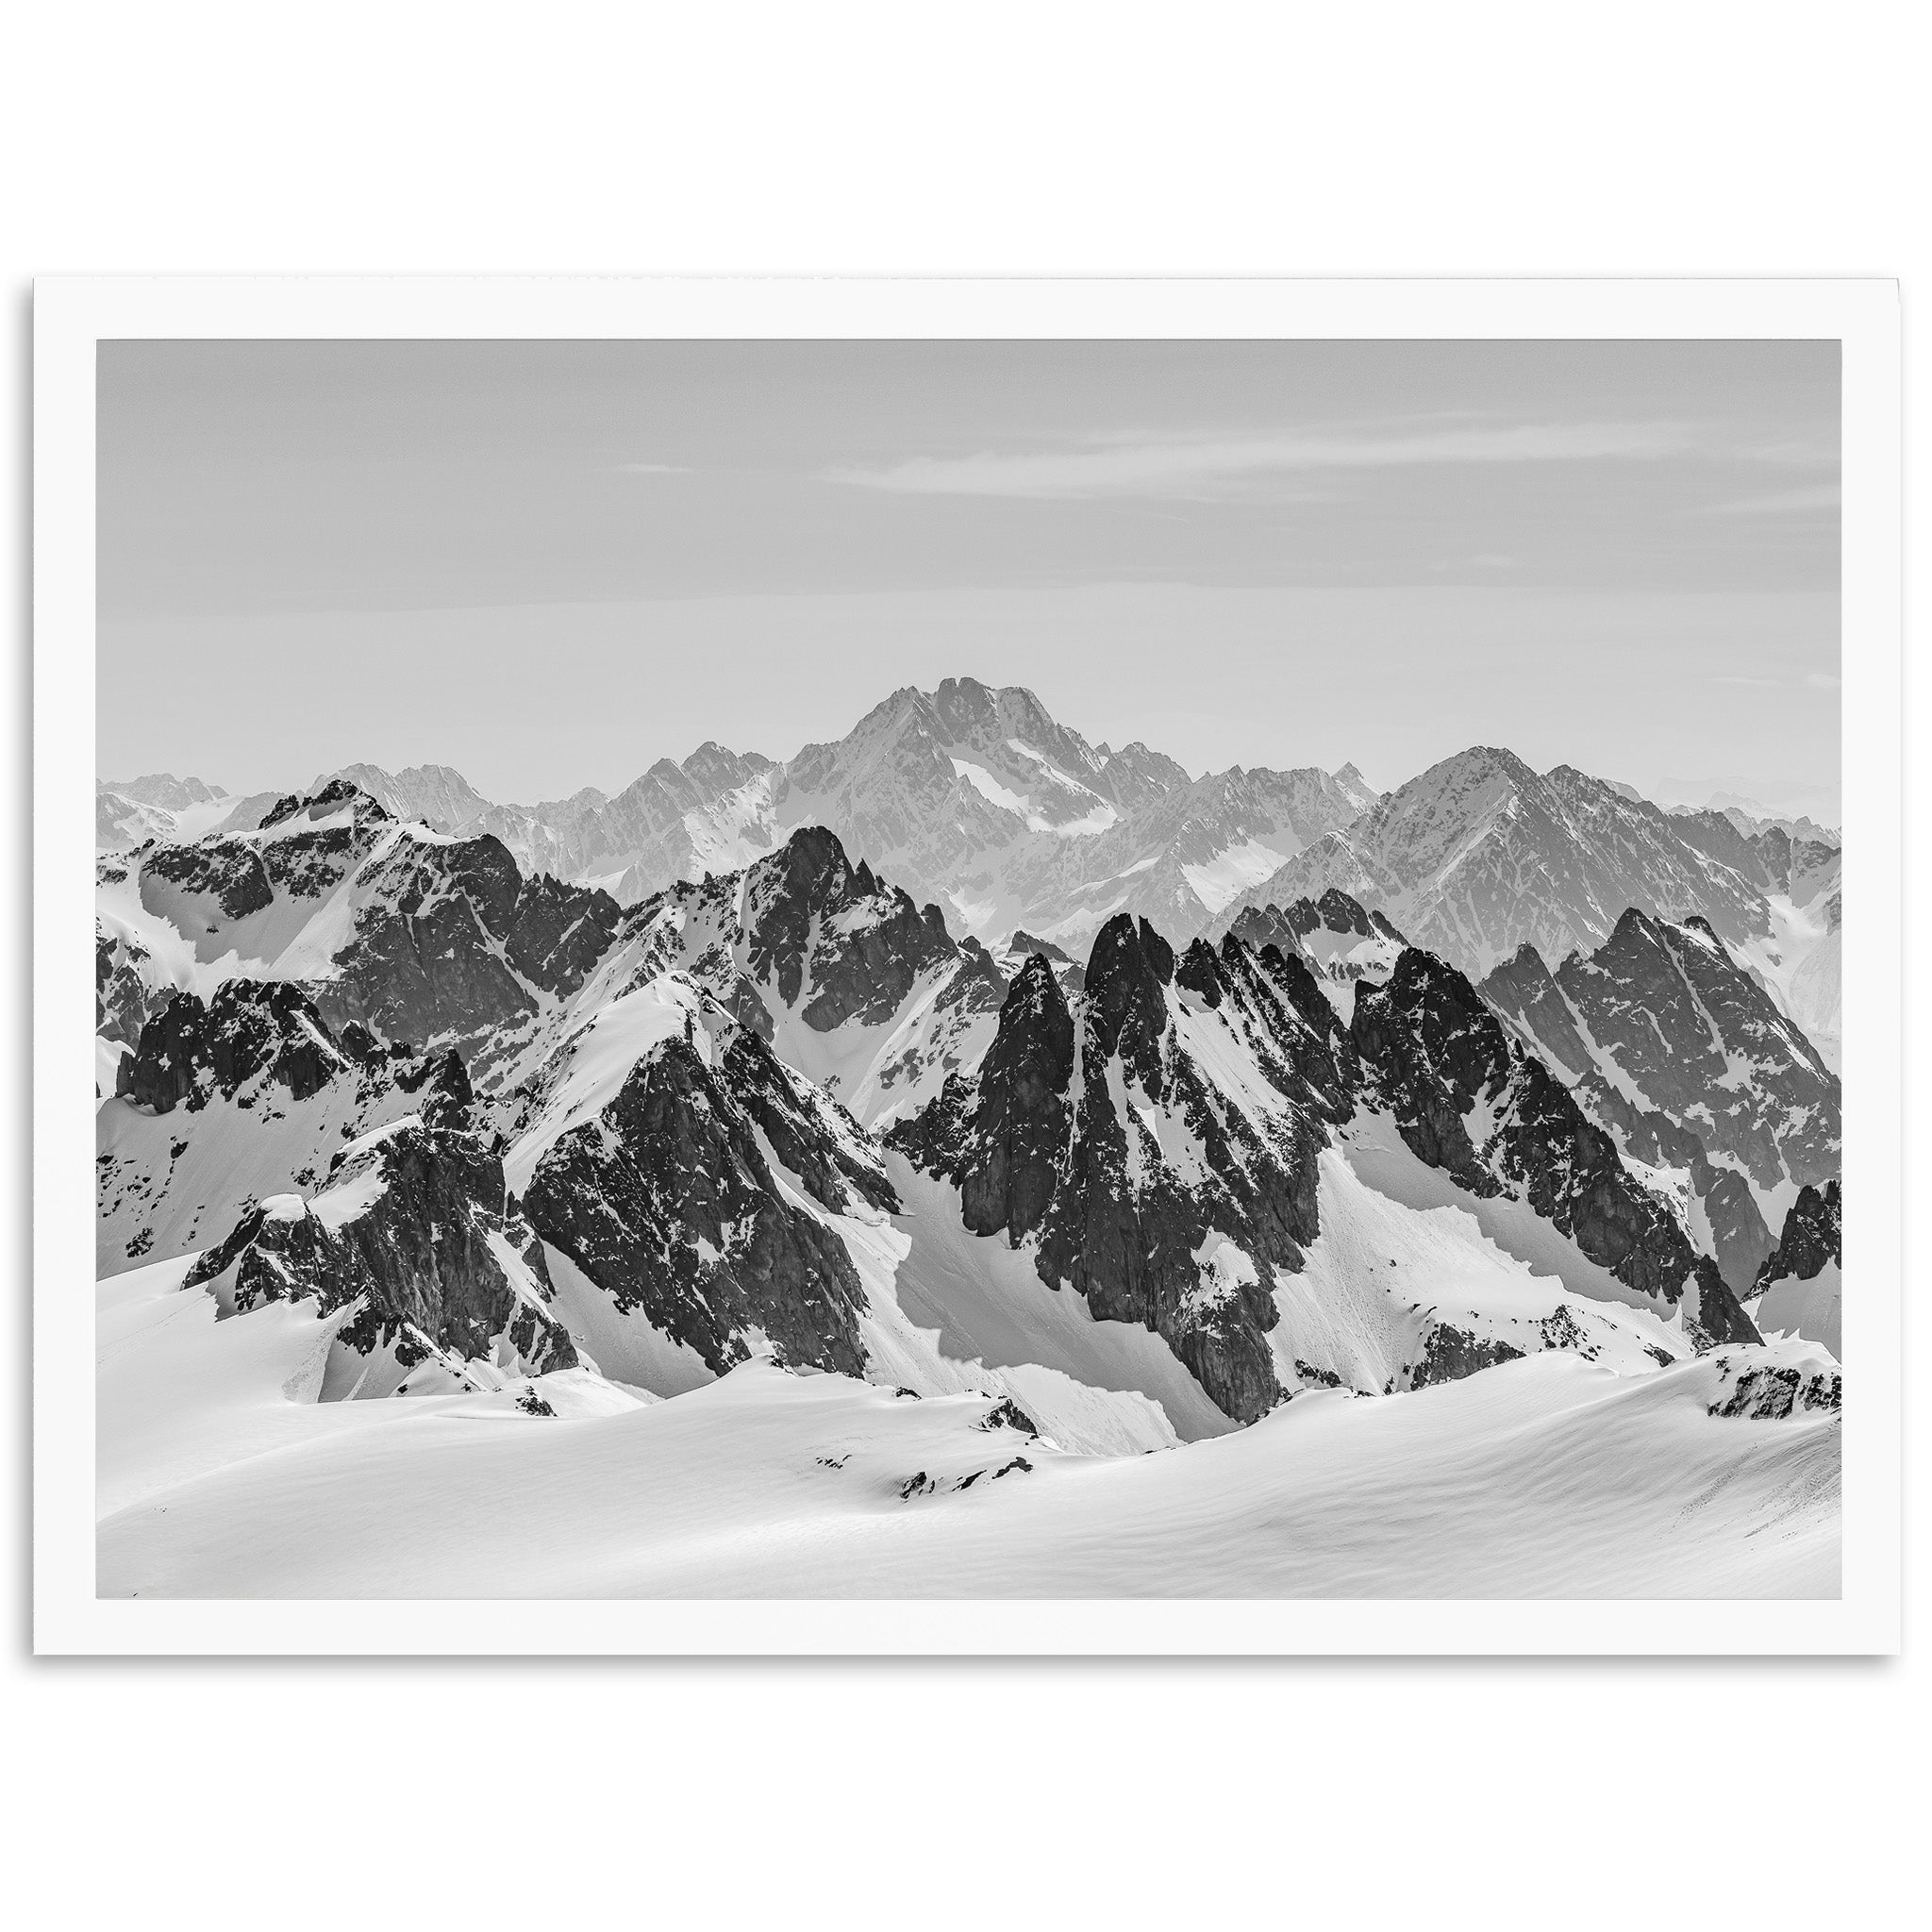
[967, 966]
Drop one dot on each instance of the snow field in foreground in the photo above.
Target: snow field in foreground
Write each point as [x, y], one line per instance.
[221, 1475]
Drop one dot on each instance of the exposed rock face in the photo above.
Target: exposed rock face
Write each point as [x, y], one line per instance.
[191, 1051]
[668, 1200]
[1660, 1021]
[1776, 1391]
[976, 797]
[125, 995]
[455, 946]
[1705, 1046]
[423, 939]
[247, 1094]
[712, 813]
[808, 888]
[1770, 857]
[1021, 1121]
[1022, 946]
[1092, 1128]
[1526, 995]
[1480, 854]
[1469, 1102]
[413, 1233]
[1342, 943]
[849, 980]
[1812, 1239]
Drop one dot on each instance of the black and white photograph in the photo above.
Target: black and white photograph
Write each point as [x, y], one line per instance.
[968, 968]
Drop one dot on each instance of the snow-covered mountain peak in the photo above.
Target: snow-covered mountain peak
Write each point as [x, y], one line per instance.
[164, 789]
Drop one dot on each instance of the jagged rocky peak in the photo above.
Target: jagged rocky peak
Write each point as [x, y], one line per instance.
[715, 768]
[1356, 789]
[248, 1033]
[1537, 1007]
[1126, 974]
[1022, 1121]
[1684, 1030]
[676, 1188]
[836, 935]
[1479, 854]
[1335, 912]
[1493, 1117]
[1812, 1239]
[327, 800]
[1097, 1129]
[414, 1251]
[1524, 991]
[1022, 945]
[435, 795]
[1800, 1288]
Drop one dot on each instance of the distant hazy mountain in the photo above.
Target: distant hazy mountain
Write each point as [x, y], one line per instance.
[128, 811]
[1480, 855]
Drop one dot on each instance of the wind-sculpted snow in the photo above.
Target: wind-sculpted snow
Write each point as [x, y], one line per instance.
[1547, 1477]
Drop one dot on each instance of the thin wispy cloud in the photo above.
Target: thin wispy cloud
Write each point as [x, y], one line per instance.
[1816, 680]
[1182, 467]
[653, 469]
[1810, 499]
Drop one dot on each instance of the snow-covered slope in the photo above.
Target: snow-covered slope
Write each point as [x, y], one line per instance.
[426, 937]
[226, 1102]
[1544, 1477]
[849, 983]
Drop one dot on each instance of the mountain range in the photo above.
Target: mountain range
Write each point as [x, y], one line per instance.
[969, 1060]
[978, 799]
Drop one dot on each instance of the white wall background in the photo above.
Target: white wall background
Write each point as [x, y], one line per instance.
[1648, 138]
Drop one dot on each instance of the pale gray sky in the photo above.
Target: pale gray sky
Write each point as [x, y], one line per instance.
[551, 563]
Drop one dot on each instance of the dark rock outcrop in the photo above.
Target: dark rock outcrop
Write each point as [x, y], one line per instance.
[1436, 1055]
[1041, 1149]
[415, 1231]
[1813, 1236]
[1706, 1046]
[1674, 1049]
[809, 893]
[192, 1050]
[668, 1201]
[125, 997]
